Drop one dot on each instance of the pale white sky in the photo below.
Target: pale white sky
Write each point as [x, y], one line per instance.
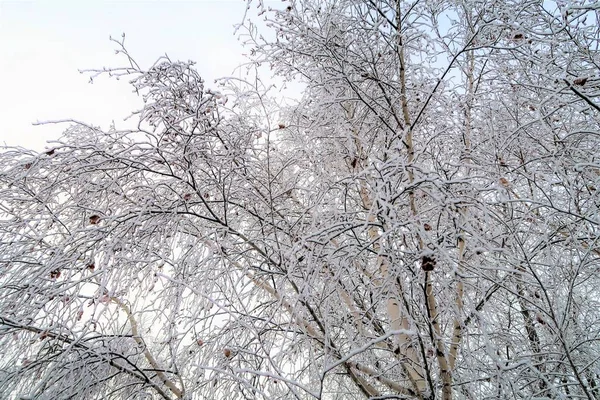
[43, 44]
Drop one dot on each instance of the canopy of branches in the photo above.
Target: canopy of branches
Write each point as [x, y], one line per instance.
[422, 223]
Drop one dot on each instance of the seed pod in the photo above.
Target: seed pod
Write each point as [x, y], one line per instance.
[428, 263]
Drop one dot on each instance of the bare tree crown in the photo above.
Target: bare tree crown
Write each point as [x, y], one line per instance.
[422, 224]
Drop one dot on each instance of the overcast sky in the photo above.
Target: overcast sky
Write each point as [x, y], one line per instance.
[43, 44]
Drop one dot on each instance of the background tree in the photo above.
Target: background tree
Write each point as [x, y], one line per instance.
[422, 224]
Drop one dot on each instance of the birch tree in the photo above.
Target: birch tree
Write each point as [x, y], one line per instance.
[422, 224]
